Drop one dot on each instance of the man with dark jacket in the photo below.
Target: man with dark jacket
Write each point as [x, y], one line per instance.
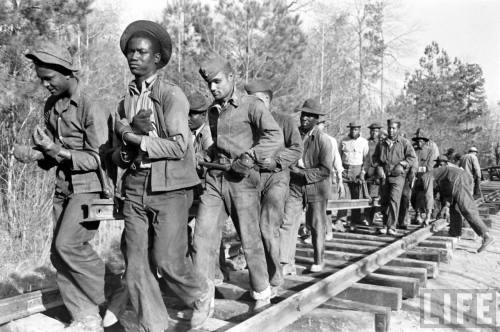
[156, 149]
[310, 184]
[75, 131]
[245, 135]
[395, 157]
[425, 159]
[275, 180]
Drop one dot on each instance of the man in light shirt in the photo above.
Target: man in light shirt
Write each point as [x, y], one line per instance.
[354, 153]
[470, 164]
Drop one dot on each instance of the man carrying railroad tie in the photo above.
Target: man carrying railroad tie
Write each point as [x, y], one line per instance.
[393, 156]
[75, 130]
[245, 136]
[354, 152]
[454, 186]
[156, 149]
[310, 184]
[275, 180]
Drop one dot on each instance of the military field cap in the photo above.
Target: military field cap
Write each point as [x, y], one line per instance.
[153, 29]
[198, 102]
[52, 54]
[354, 125]
[210, 67]
[311, 106]
[472, 149]
[375, 125]
[442, 158]
[390, 122]
[258, 86]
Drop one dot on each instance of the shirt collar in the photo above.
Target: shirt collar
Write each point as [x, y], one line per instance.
[197, 132]
[63, 104]
[146, 85]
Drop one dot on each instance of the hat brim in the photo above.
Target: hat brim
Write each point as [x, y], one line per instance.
[418, 138]
[156, 31]
[198, 110]
[311, 111]
[50, 59]
[355, 126]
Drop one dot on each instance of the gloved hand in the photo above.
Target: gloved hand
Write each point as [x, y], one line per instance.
[360, 178]
[141, 122]
[267, 164]
[380, 172]
[404, 163]
[242, 165]
[122, 127]
[444, 213]
[45, 143]
[298, 175]
[26, 154]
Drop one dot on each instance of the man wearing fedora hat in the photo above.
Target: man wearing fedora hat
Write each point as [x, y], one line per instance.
[454, 186]
[470, 164]
[395, 156]
[275, 179]
[155, 147]
[310, 184]
[246, 140]
[75, 131]
[429, 142]
[354, 151]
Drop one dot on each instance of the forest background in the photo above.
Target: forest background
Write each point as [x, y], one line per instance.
[347, 59]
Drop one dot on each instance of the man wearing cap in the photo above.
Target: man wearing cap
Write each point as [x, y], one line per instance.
[75, 131]
[372, 180]
[202, 137]
[426, 161]
[395, 156]
[275, 179]
[310, 184]
[156, 149]
[454, 186]
[354, 152]
[245, 136]
[470, 164]
[430, 143]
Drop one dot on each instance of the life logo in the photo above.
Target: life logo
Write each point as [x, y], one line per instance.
[459, 308]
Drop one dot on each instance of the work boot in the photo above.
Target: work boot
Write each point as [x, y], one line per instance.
[289, 269]
[392, 231]
[338, 226]
[487, 241]
[109, 319]
[262, 299]
[403, 227]
[275, 290]
[91, 323]
[204, 307]
[382, 231]
[317, 267]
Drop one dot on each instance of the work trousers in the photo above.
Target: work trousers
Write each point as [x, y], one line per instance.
[228, 194]
[80, 271]
[463, 204]
[352, 191]
[405, 204]
[156, 242]
[391, 192]
[290, 227]
[273, 196]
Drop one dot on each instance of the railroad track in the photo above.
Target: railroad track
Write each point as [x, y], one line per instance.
[364, 272]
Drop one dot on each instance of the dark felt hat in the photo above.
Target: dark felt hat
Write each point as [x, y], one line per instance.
[441, 158]
[258, 86]
[153, 29]
[420, 133]
[210, 67]
[311, 106]
[354, 125]
[53, 54]
[375, 125]
[390, 122]
[198, 102]
[415, 139]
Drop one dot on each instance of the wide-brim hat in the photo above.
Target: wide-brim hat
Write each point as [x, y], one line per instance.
[354, 125]
[198, 102]
[258, 86]
[311, 106]
[473, 149]
[415, 139]
[153, 29]
[441, 158]
[375, 125]
[52, 54]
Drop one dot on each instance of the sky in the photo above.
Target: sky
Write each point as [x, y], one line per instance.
[467, 29]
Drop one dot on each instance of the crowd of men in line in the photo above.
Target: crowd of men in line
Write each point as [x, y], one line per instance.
[237, 158]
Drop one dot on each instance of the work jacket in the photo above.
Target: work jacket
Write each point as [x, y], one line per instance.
[389, 156]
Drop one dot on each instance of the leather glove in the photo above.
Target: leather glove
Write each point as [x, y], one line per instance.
[122, 127]
[267, 164]
[298, 175]
[242, 165]
[26, 154]
[45, 143]
[141, 122]
[404, 163]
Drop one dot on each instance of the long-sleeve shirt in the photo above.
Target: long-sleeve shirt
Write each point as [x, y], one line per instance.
[470, 164]
[388, 155]
[202, 138]
[354, 151]
[446, 181]
[434, 148]
[243, 124]
[425, 158]
[337, 160]
[294, 147]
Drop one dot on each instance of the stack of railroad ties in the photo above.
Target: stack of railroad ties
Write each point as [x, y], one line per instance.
[365, 272]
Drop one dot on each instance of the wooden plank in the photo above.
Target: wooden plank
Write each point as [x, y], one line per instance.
[377, 243]
[24, 305]
[286, 312]
[35, 323]
[382, 314]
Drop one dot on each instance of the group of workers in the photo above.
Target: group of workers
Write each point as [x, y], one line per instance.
[237, 158]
